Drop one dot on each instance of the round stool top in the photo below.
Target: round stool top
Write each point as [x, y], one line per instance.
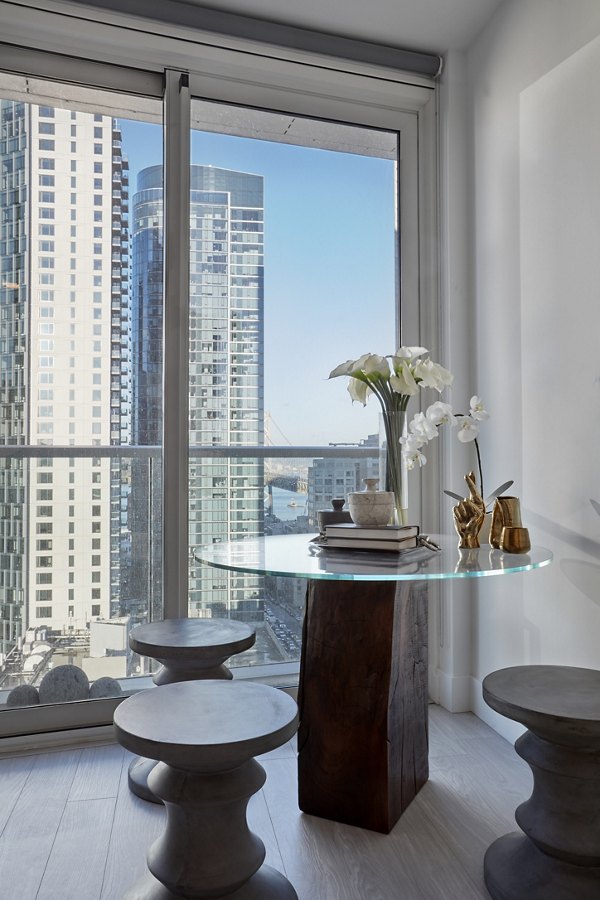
[191, 638]
[206, 725]
[561, 702]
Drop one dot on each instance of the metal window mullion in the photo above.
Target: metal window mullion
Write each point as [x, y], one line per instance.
[176, 219]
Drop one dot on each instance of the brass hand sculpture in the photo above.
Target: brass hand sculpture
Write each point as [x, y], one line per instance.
[469, 515]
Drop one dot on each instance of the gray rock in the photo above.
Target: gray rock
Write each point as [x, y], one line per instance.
[63, 684]
[105, 687]
[23, 695]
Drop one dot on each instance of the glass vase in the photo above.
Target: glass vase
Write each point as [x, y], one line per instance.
[392, 465]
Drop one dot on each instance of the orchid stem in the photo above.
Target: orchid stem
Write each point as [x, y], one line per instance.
[480, 467]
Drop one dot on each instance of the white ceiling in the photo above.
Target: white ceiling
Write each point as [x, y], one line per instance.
[428, 25]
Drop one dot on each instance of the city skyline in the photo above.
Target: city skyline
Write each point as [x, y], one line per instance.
[330, 264]
[81, 331]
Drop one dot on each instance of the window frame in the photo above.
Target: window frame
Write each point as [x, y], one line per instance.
[316, 87]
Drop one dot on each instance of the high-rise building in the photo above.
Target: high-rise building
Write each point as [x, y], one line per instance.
[226, 364]
[63, 349]
[330, 477]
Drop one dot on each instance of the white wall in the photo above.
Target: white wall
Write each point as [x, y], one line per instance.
[532, 142]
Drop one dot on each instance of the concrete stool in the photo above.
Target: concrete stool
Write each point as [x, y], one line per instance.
[558, 856]
[189, 649]
[206, 734]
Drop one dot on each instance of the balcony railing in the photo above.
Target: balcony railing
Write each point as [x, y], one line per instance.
[234, 490]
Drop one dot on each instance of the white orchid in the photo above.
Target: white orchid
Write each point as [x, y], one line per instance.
[468, 429]
[423, 427]
[411, 442]
[477, 410]
[414, 459]
[440, 414]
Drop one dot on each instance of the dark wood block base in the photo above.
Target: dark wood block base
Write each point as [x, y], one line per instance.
[514, 869]
[363, 736]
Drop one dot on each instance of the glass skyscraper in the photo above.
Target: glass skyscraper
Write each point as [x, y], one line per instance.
[226, 363]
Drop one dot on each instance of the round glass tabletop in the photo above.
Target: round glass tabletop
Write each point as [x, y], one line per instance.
[295, 555]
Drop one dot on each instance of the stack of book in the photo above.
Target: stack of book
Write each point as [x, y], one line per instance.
[394, 538]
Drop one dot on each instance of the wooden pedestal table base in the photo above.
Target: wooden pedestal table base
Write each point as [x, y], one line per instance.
[189, 650]
[206, 734]
[558, 855]
[363, 735]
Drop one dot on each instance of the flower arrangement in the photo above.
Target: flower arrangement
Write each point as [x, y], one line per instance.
[424, 427]
[393, 380]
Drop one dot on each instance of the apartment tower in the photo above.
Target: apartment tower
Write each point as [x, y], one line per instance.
[63, 357]
[226, 362]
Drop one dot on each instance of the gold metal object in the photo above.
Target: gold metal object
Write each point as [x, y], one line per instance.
[515, 539]
[507, 513]
[469, 516]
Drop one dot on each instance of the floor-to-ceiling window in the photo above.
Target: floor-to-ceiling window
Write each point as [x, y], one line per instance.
[301, 233]
[80, 478]
[293, 243]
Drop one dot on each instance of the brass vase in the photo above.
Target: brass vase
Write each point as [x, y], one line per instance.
[506, 514]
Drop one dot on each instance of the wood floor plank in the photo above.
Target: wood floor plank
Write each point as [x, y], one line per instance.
[259, 821]
[14, 772]
[75, 868]
[98, 773]
[326, 860]
[29, 834]
[136, 826]
[69, 816]
[428, 856]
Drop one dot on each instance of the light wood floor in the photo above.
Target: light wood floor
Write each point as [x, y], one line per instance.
[71, 830]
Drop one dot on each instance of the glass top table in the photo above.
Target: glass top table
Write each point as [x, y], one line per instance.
[363, 683]
[295, 555]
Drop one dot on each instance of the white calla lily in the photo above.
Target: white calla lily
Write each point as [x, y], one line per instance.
[343, 369]
[402, 381]
[432, 375]
[394, 379]
[409, 353]
[359, 390]
[376, 365]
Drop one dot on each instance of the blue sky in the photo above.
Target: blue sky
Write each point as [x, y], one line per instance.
[329, 271]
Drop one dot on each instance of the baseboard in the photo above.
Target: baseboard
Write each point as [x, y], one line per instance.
[463, 693]
[25, 744]
[454, 692]
[507, 728]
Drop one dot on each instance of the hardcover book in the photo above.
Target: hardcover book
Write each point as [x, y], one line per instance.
[356, 543]
[350, 531]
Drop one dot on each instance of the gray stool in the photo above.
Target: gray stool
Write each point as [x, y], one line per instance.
[189, 650]
[558, 856]
[206, 734]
